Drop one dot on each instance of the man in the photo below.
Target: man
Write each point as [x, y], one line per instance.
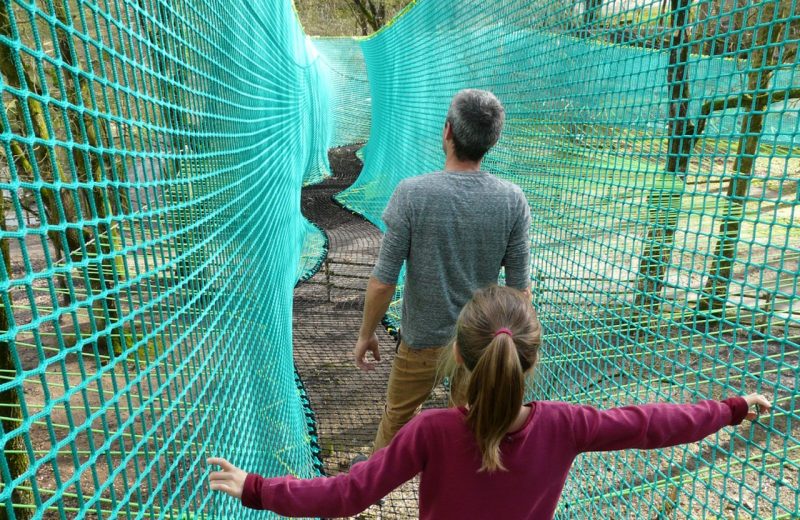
[454, 229]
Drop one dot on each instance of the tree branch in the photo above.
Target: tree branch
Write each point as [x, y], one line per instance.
[736, 101]
[370, 18]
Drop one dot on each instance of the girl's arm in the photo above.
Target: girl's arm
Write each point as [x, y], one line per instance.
[343, 495]
[653, 426]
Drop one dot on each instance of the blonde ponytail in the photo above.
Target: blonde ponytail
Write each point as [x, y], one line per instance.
[498, 337]
[495, 395]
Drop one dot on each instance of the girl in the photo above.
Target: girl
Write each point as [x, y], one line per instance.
[495, 457]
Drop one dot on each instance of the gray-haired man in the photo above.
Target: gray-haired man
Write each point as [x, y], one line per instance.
[454, 229]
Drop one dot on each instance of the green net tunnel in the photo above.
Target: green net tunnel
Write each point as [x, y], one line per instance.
[152, 160]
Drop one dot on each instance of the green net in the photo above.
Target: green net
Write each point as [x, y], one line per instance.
[658, 147]
[151, 159]
[340, 116]
[348, 88]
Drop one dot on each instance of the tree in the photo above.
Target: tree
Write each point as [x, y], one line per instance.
[36, 159]
[765, 58]
[369, 14]
[16, 458]
[658, 245]
[684, 134]
[591, 8]
[727, 27]
[92, 167]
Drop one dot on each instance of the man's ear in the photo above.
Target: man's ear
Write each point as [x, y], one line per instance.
[448, 131]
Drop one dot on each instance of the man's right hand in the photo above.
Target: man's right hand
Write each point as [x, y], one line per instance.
[370, 343]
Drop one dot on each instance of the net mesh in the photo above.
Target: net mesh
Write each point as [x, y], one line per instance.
[152, 158]
[657, 144]
[348, 87]
[151, 164]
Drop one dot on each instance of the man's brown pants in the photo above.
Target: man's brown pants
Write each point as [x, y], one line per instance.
[415, 373]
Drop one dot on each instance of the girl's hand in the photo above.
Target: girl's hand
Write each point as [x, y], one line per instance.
[760, 403]
[230, 480]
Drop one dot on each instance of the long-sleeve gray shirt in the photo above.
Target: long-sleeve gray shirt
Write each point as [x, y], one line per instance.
[454, 230]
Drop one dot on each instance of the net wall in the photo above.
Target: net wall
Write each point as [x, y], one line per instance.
[657, 145]
[342, 61]
[151, 159]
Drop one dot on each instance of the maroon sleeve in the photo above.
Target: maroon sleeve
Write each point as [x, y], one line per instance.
[349, 493]
[652, 426]
[251, 494]
[739, 409]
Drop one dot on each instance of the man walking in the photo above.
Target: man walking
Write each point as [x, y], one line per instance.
[454, 229]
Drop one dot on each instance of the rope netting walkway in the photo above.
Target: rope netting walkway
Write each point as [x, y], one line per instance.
[657, 144]
[152, 155]
[347, 402]
[151, 159]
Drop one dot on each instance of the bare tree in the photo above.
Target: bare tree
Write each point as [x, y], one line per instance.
[370, 15]
[591, 9]
[764, 60]
[37, 157]
[685, 134]
[14, 450]
[92, 167]
[658, 246]
[727, 27]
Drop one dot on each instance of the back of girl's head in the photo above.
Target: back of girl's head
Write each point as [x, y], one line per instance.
[498, 336]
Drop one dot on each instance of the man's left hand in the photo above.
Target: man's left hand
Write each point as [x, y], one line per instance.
[370, 343]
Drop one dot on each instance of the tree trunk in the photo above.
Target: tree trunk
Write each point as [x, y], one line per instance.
[368, 14]
[665, 205]
[14, 450]
[44, 161]
[90, 167]
[763, 61]
[24, 168]
[168, 91]
[590, 10]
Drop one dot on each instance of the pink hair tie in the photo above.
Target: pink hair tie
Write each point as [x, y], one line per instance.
[504, 330]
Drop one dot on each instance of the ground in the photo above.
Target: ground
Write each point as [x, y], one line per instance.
[347, 402]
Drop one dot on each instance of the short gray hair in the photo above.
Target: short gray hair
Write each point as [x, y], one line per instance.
[476, 118]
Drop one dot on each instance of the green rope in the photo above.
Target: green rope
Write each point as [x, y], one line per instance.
[151, 159]
[665, 268]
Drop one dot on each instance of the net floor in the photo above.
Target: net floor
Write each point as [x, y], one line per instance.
[327, 315]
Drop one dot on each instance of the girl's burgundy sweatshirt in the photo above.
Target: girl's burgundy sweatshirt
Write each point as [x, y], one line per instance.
[440, 447]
